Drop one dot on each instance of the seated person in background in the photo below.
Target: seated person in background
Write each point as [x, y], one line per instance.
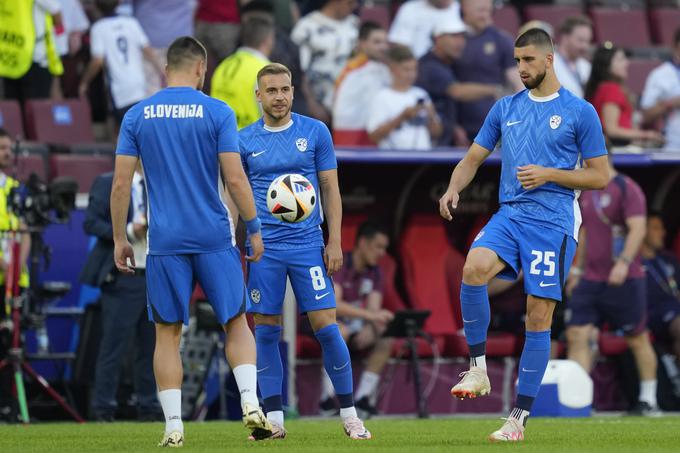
[362, 320]
[607, 92]
[402, 116]
[663, 295]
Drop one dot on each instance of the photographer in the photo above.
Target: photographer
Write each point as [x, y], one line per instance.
[123, 299]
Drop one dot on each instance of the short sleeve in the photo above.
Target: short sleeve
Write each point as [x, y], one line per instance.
[243, 151]
[635, 202]
[227, 133]
[127, 142]
[653, 90]
[143, 39]
[377, 113]
[490, 133]
[589, 135]
[434, 79]
[324, 152]
[97, 41]
[301, 35]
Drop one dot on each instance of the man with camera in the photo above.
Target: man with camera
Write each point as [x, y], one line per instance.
[123, 299]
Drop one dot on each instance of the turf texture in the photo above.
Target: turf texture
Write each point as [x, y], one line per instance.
[605, 434]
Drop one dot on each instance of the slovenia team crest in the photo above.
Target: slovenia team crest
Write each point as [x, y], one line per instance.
[255, 296]
[301, 144]
[555, 121]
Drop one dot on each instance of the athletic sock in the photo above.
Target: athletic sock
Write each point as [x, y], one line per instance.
[171, 402]
[275, 417]
[532, 365]
[338, 365]
[269, 368]
[246, 380]
[648, 392]
[367, 384]
[474, 304]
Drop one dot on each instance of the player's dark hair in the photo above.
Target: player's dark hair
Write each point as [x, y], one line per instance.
[676, 37]
[367, 28]
[107, 7]
[259, 6]
[399, 54]
[369, 229]
[535, 37]
[274, 69]
[4, 132]
[570, 23]
[184, 50]
[255, 31]
[601, 69]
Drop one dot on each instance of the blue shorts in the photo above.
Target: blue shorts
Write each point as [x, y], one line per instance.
[170, 280]
[312, 286]
[544, 254]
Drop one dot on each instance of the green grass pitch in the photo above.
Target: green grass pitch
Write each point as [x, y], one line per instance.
[605, 434]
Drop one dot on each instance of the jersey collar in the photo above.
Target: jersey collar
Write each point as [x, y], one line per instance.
[278, 128]
[555, 95]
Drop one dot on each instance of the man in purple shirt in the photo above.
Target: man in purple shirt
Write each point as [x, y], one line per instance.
[488, 58]
[358, 291]
[608, 280]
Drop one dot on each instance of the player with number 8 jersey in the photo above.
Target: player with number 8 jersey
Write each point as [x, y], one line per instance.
[282, 143]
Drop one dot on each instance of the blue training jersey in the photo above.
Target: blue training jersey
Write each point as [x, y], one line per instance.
[557, 131]
[178, 134]
[305, 147]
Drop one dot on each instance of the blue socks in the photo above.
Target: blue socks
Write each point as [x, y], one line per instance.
[532, 367]
[474, 303]
[337, 363]
[269, 366]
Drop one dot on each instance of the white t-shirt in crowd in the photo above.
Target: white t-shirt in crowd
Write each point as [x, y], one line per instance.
[573, 78]
[325, 45]
[663, 83]
[414, 22]
[120, 40]
[40, 9]
[355, 91]
[387, 104]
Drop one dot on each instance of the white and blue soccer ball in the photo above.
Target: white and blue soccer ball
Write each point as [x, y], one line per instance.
[291, 198]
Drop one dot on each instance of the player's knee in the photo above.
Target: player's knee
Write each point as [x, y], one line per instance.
[268, 320]
[476, 272]
[538, 320]
[638, 341]
[577, 336]
[322, 318]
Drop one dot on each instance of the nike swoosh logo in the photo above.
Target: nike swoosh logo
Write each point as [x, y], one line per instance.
[257, 154]
[338, 369]
[509, 123]
[260, 371]
[545, 285]
[319, 297]
[472, 320]
[529, 371]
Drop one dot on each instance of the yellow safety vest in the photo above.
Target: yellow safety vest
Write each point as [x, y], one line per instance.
[234, 83]
[17, 40]
[10, 222]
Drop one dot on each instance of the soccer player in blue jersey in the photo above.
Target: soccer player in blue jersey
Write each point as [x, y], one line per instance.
[283, 142]
[543, 134]
[184, 139]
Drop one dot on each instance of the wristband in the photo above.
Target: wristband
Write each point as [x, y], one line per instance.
[253, 225]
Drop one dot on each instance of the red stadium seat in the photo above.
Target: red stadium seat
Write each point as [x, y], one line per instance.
[506, 18]
[31, 163]
[83, 168]
[347, 137]
[379, 13]
[663, 23]
[10, 118]
[391, 299]
[65, 122]
[350, 225]
[626, 29]
[552, 14]
[611, 344]
[638, 71]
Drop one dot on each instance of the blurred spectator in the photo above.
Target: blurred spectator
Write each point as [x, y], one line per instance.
[402, 116]
[663, 295]
[119, 44]
[326, 39]
[416, 19]
[163, 22]
[235, 79]
[362, 319]
[217, 26]
[76, 24]
[613, 287]
[607, 92]
[436, 76]
[30, 71]
[661, 96]
[571, 67]
[488, 58]
[363, 76]
[546, 27]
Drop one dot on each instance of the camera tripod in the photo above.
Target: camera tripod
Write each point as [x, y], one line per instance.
[15, 357]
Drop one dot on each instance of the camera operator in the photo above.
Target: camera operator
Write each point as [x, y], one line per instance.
[123, 298]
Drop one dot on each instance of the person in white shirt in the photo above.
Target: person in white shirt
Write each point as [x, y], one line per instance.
[402, 116]
[326, 39]
[363, 76]
[661, 97]
[119, 44]
[415, 21]
[76, 25]
[571, 67]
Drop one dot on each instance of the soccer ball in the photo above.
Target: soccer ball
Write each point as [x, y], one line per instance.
[291, 198]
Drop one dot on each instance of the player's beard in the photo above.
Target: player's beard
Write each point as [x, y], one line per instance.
[277, 115]
[535, 82]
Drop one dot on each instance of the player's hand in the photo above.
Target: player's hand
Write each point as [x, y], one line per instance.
[653, 136]
[572, 282]
[121, 253]
[256, 248]
[618, 273]
[382, 316]
[139, 230]
[332, 257]
[447, 204]
[533, 176]
[410, 112]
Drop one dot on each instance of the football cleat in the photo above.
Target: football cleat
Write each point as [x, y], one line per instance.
[173, 440]
[511, 431]
[278, 432]
[355, 429]
[255, 420]
[474, 383]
